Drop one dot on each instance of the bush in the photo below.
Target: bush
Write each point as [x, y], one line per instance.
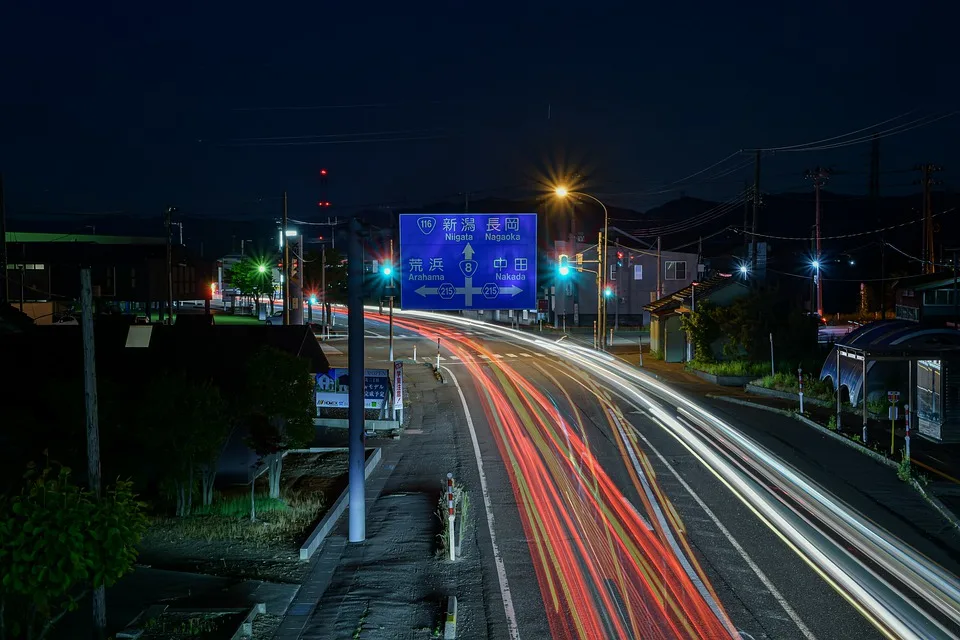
[788, 382]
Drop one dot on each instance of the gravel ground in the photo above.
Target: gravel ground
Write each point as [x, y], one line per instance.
[232, 546]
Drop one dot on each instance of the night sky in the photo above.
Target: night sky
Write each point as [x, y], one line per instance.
[129, 107]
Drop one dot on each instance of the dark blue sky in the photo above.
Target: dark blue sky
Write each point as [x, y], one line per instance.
[132, 106]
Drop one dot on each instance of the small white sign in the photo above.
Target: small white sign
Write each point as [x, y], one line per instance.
[893, 412]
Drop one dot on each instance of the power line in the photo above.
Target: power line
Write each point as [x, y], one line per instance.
[910, 126]
[844, 236]
[845, 135]
[807, 277]
[712, 235]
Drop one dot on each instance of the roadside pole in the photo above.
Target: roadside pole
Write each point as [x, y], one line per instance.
[906, 439]
[93, 428]
[355, 364]
[451, 517]
[800, 375]
[773, 368]
[438, 354]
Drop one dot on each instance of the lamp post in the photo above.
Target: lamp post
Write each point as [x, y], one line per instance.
[388, 273]
[562, 192]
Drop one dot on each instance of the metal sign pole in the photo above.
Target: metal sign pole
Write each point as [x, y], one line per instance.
[355, 363]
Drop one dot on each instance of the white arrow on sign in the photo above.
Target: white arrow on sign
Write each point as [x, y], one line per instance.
[428, 291]
[511, 290]
[468, 252]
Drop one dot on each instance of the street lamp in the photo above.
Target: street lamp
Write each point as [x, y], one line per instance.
[563, 192]
[388, 274]
[819, 288]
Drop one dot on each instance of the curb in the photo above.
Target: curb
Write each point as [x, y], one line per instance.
[936, 503]
[450, 626]
[327, 522]
[246, 627]
[931, 499]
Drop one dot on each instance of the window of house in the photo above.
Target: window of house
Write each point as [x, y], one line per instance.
[675, 270]
[938, 298]
[638, 272]
[929, 390]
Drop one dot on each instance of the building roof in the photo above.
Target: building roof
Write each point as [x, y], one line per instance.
[929, 281]
[888, 340]
[705, 288]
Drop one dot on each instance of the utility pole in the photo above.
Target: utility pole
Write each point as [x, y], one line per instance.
[756, 212]
[929, 253]
[883, 276]
[819, 177]
[355, 364]
[93, 427]
[746, 221]
[285, 272]
[4, 290]
[323, 284]
[169, 225]
[659, 268]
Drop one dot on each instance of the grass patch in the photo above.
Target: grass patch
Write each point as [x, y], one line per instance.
[730, 368]
[788, 382]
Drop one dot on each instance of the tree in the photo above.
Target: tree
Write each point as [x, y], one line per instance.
[188, 426]
[57, 542]
[703, 329]
[281, 405]
[252, 278]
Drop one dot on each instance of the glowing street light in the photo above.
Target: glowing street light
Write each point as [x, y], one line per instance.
[815, 264]
[562, 192]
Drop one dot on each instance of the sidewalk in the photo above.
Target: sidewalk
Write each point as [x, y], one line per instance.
[868, 486]
[394, 581]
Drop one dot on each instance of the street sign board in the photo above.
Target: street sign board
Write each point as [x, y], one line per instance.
[333, 388]
[398, 384]
[456, 261]
[543, 305]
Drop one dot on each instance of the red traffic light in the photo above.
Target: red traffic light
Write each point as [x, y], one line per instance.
[323, 172]
[323, 203]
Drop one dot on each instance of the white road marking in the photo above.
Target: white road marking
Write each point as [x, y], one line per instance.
[497, 558]
[511, 355]
[733, 542]
[525, 354]
[331, 350]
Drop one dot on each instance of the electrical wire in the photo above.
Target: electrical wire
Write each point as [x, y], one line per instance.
[708, 216]
[809, 277]
[712, 235]
[910, 126]
[916, 259]
[845, 135]
[844, 236]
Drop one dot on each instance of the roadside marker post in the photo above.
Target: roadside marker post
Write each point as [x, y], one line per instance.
[438, 354]
[906, 439]
[451, 531]
[414, 351]
[800, 376]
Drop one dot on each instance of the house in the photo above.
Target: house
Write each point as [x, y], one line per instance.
[921, 361]
[666, 335]
[633, 276]
[932, 298]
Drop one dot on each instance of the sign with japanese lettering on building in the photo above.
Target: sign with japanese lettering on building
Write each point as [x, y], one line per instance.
[333, 388]
[468, 261]
[398, 384]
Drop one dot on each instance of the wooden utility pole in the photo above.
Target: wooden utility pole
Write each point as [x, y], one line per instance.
[285, 272]
[659, 269]
[4, 289]
[756, 212]
[169, 225]
[929, 253]
[819, 177]
[93, 427]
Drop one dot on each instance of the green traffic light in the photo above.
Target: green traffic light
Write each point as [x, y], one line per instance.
[564, 270]
[387, 270]
[608, 292]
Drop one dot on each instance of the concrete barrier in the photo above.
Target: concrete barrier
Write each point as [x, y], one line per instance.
[327, 522]
[368, 425]
[724, 381]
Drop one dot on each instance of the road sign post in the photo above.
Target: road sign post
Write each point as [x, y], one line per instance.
[906, 438]
[894, 398]
[455, 262]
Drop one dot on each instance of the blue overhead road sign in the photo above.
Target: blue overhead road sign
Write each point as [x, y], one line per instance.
[454, 261]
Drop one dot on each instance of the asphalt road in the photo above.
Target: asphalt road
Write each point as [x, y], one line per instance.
[562, 453]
